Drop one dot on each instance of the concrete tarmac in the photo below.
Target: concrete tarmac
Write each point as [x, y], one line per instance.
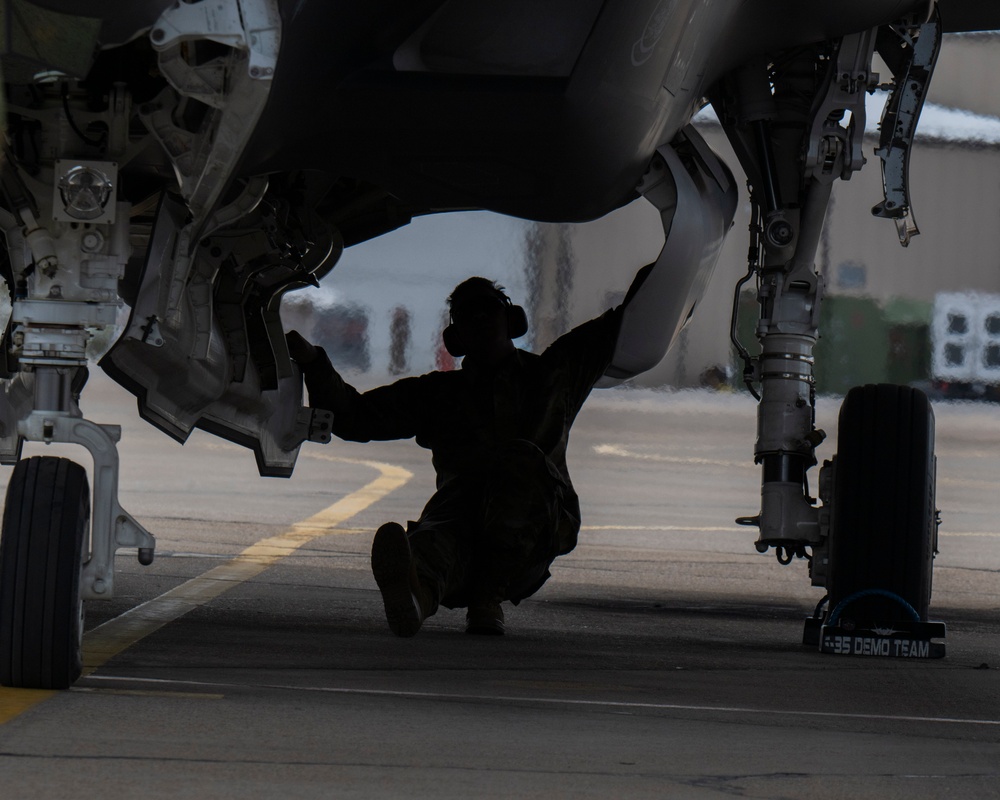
[663, 658]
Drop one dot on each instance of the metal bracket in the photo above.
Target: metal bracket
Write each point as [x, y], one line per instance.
[66, 313]
[204, 160]
[252, 25]
[199, 287]
[835, 151]
[820, 564]
[111, 526]
[899, 125]
[314, 425]
[17, 398]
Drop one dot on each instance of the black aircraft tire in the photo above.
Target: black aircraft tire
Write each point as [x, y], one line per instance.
[884, 527]
[45, 524]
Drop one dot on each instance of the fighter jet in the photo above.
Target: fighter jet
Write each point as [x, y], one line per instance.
[190, 163]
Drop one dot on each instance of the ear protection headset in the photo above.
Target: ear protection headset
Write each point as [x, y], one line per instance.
[517, 325]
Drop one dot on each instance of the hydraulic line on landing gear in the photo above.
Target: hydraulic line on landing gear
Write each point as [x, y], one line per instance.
[753, 265]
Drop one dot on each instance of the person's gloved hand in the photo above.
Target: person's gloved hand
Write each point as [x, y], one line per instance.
[299, 348]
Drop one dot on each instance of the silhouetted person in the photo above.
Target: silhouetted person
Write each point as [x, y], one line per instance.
[497, 429]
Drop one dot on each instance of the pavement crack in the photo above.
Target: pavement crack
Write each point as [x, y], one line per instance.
[624, 772]
[731, 784]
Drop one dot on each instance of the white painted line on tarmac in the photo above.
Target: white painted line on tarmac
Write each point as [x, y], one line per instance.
[618, 450]
[606, 704]
[149, 693]
[723, 529]
[667, 528]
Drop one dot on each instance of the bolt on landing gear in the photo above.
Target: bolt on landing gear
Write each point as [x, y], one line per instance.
[871, 543]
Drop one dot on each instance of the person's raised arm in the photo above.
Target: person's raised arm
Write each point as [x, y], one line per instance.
[397, 411]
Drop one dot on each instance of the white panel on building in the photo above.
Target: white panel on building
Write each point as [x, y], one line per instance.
[965, 335]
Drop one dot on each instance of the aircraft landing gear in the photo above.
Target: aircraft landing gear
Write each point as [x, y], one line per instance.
[46, 524]
[872, 541]
[58, 545]
[67, 230]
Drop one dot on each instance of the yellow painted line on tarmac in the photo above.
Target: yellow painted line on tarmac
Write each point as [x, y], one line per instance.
[116, 635]
[14, 702]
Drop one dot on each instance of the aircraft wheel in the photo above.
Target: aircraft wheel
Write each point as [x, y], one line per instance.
[884, 525]
[46, 522]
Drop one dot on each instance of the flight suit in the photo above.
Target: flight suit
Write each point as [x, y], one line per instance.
[505, 506]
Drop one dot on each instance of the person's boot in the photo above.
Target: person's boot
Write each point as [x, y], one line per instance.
[485, 619]
[392, 566]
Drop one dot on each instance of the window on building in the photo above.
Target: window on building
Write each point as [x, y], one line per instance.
[954, 355]
[852, 275]
[958, 324]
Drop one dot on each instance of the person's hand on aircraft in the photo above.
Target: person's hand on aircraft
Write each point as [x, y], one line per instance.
[299, 348]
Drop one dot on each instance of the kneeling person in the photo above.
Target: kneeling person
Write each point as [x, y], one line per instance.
[497, 429]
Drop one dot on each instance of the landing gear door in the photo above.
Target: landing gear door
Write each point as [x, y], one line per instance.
[696, 196]
[188, 371]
